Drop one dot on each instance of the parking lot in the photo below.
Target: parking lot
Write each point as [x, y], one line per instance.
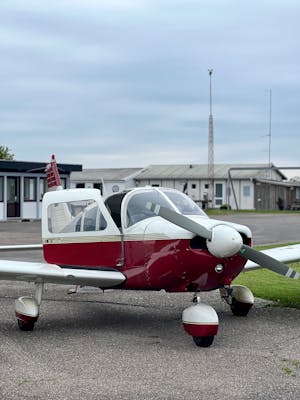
[131, 345]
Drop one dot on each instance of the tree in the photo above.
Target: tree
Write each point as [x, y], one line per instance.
[5, 153]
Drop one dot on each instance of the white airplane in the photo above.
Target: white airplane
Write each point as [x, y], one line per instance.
[141, 239]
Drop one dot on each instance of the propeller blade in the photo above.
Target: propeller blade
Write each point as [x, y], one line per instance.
[268, 262]
[180, 220]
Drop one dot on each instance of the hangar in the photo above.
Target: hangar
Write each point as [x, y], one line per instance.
[241, 186]
[22, 185]
[234, 184]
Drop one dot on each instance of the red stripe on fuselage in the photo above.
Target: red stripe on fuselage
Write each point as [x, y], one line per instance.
[89, 254]
[150, 264]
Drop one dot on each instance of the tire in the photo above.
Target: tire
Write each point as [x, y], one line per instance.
[240, 309]
[25, 326]
[203, 341]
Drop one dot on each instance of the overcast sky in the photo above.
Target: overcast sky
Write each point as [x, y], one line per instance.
[124, 83]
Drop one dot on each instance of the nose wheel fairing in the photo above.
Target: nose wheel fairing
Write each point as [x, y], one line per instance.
[201, 322]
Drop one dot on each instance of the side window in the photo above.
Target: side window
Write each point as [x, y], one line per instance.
[75, 216]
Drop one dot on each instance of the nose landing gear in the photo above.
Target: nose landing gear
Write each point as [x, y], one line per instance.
[201, 322]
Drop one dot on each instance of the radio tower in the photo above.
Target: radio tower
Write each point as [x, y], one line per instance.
[211, 172]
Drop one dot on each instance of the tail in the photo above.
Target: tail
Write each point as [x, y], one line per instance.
[53, 178]
[59, 215]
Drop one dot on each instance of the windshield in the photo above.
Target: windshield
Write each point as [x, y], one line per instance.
[137, 206]
[184, 204]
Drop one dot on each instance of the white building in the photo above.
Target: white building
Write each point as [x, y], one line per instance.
[241, 186]
[234, 184]
[22, 185]
[107, 180]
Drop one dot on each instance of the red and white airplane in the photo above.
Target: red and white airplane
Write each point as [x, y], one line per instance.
[146, 238]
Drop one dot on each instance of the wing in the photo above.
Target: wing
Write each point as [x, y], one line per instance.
[285, 254]
[51, 273]
[21, 247]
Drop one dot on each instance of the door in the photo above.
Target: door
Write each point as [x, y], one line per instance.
[218, 194]
[13, 197]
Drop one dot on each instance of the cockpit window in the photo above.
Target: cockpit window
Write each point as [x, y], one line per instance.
[184, 204]
[137, 206]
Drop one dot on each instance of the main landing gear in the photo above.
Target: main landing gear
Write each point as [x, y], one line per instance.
[27, 308]
[201, 322]
[239, 298]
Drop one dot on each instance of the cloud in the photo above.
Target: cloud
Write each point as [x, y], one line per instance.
[128, 80]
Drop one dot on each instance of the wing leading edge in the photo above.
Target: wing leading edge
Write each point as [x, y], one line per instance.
[51, 273]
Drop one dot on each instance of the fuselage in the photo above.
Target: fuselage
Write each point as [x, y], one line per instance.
[121, 234]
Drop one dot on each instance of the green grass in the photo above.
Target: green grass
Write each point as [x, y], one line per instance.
[271, 286]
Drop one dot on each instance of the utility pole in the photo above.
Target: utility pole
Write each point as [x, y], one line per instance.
[270, 127]
[211, 172]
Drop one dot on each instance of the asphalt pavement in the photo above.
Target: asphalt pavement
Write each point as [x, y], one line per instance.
[268, 228]
[131, 345]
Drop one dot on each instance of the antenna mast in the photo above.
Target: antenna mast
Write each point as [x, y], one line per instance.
[211, 173]
[270, 127]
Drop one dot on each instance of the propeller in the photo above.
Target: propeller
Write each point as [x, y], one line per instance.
[224, 241]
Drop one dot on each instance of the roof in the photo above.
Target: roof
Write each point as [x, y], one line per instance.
[39, 167]
[107, 174]
[289, 183]
[200, 171]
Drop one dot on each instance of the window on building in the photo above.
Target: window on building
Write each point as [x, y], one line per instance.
[219, 190]
[43, 187]
[29, 189]
[218, 194]
[297, 193]
[115, 188]
[80, 185]
[246, 191]
[98, 185]
[206, 186]
[63, 183]
[194, 186]
[1, 188]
